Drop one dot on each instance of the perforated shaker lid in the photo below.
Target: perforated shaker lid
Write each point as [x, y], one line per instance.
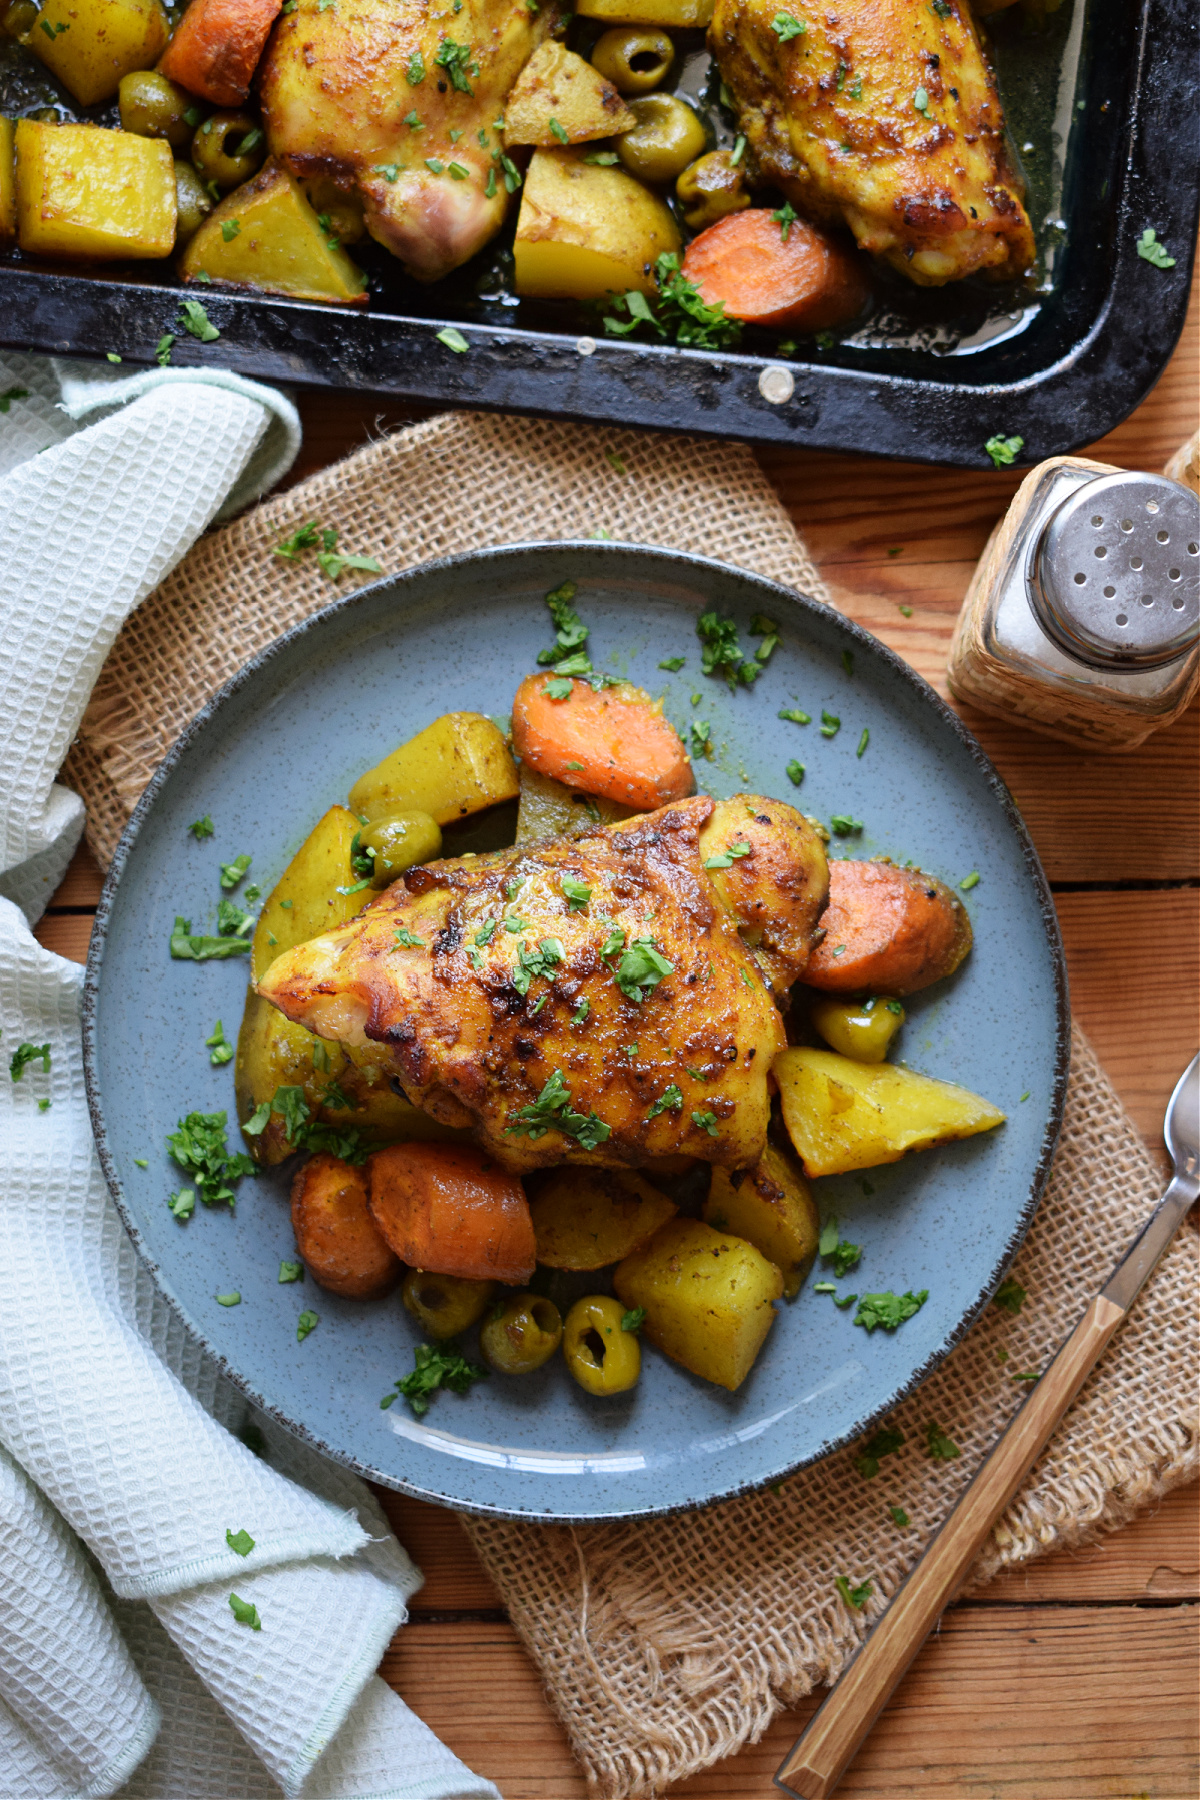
[1115, 573]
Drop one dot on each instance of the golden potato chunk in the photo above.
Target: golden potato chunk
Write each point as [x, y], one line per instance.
[8, 184]
[859, 1029]
[772, 1208]
[265, 236]
[339, 1242]
[585, 230]
[589, 1218]
[708, 1298]
[317, 891]
[556, 88]
[844, 1115]
[90, 44]
[456, 766]
[88, 193]
[682, 14]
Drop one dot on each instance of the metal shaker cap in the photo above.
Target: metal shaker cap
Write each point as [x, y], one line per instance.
[1115, 572]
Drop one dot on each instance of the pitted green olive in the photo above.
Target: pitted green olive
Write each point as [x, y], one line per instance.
[667, 137]
[398, 841]
[193, 203]
[711, 188]
[635, 58]
[521, 1334]
[19, 19]
[603, 1357]
[861, 1029]
[445, 1305]
[153, 107]
[228, 149]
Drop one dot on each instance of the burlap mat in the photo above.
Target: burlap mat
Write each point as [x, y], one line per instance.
[665, 1646]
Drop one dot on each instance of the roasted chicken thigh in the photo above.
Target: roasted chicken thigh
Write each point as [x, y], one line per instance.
[397, 103]
[606, 999]
[881, 115]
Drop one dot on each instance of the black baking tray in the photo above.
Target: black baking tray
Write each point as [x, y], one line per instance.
[1058, 368]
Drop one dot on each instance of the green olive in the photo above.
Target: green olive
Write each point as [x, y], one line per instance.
[521, 1334]
[635, 58]
[19, 19]
[667, 137]
[444, 1305]
[711, 187]
[861, 1029]
[192, 201]
[398, 841]
[603, 1357]
[153, 107]
[228, 149]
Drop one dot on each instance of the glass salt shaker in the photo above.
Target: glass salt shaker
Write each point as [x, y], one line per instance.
[1083, 616]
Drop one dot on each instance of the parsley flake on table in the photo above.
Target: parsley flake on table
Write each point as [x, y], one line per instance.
[1151, 251]
[787, 26]
[888, 1311]
[707, 1121]
[670, 1100]
[162, 354]
[24, 1054]
[233, 872]
[576, 893]
[672, 663]
[855, 1597]
[1010, 1295]
[641, 968]
[884, 1442]
[197, 322]
[306, 1323]
[824, 1287]
[234, 1299]
[795, 716]
[221, 1048]
[1004, 450]
[551, 1111]
[454, 340]
[830, 724]
[306, 537]
[863, 741]
[938, 1445]
[240, 1542]
[183, 1204]
[726, 858]
[907, 611]
[245, 1612]
[437, 1366]
[795, 772]
[290, 1271]
[899, 1516]
[842, 825]
[202, 828]
[187, 946]
[1028, 1375]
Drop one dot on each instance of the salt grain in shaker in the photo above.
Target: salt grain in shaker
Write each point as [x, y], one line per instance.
[1083, 616]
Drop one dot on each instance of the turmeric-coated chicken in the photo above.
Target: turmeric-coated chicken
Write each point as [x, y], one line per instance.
[603, 999]
[397, 103]
[882, 115]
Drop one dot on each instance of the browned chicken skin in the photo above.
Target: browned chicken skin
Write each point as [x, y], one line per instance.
[545, 1022]
[881, 115]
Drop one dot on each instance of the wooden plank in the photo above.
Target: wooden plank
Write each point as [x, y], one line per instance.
[455, 1579]
[81, 885]
[1015, 1703]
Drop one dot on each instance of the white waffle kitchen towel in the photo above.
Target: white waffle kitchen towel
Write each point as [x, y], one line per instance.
[123, 1478]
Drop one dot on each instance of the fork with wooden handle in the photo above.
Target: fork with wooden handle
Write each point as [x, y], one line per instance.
[821, 1756]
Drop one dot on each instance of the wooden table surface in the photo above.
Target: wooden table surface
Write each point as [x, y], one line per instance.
[1074, 1680]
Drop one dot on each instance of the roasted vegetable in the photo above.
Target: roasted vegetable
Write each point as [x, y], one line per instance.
[634, 58]
[844, 1115]
[711, 188]
[679, 14]
[153, 107]
[227, 149]
[603, 1356]
[456, 766]
[521, 1334]
[343, 213]
[318, 890]
[443, 1305]
[586, 230]
[665, 137]
[216, 47]
[8, 184]
[397, 841]
[778, 273]
[887, 931]
[549, 809]
[88, 193]
[859, 1029]
[339, 1242]
[589, 1218]
[192, 203]
[772, 1208]
[614, 743]
[90, 44]
[707, 1298]
[267, 237]
[768, 866]
[451, 1209]
[560, 99]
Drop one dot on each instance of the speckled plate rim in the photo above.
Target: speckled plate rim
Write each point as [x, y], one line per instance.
[675, 565]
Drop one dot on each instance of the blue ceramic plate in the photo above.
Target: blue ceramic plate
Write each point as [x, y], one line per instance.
[285, 740]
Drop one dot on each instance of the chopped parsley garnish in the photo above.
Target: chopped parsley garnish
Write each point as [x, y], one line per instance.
[560, 687]
[680, 311]
[162, 353]
[701, 735]
[302, 1131]
[843, 1256]
[187, 946]
[235, 871]
[24, 1054]
[240, 1542]
[795, 716]
[969, 881]
[863, 741]
[403, 939]
[634, 1319]
[581, 1012]
[414, 121]
[570, 633]
[11, 394]
[1010, 1295]
[830, 724]
[515, 924]
[884, 1442]
[437, 1366]
[140, 1162]
[615, 462]
[197, 322]
[457, 172]
[787, 26]
[672, 663]
[722, 654]
[641, 968]
[670, 1100]
[899, 1516]
[415, 73]
[795, 772]
[888, 1311]
[921, 102]
[551, 1111]
[182, 1204]
[726, 858]
[1003, 450]
[486, 932]
[1024, 1096]
[303, 539]
[234, 1299]
[938, 1445]
[707, 1121]
[1028, 1375]
[855, 1597]
[457, 61]
[562, 136]
[604, 158]
[291, 1271]
[218, 1043]
[1151, 251]
[454, 340]
[306, 1323]
[576, 893]
[202, 828]
[198, 1147]
[534, 963]
[245, 1612]
[389, 171]
[785, 217]
[614, 941]
[233, 920]
[512, 175]
[843, 825]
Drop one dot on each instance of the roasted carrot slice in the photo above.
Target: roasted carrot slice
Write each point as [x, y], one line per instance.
[216, 48]
[340, 1243]
[805, 279]
[887, 931]
[613, 742]
[451, 1210]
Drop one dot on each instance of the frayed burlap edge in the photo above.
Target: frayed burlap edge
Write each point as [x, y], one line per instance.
[669, 1644]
